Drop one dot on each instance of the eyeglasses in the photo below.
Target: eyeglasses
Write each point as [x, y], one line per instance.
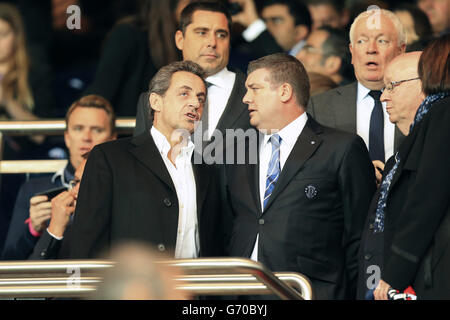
[391, 85]
[73, 183]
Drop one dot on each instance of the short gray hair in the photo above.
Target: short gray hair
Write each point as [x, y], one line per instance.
[161, 80]
[401, 34]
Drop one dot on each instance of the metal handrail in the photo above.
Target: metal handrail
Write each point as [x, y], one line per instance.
[31, 166]
[221, 276]
[47, 127]
[51, 127]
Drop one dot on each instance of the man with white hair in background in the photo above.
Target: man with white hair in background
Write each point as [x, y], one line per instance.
[376, 37]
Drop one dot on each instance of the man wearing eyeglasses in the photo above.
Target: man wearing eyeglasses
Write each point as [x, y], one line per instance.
[403, 96]
[376, 37]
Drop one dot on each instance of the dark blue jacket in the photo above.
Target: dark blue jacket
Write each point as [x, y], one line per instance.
[19, 241]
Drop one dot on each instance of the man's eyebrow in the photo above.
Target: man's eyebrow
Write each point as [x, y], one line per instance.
[201, 29]
[185, 87]
[222, 31]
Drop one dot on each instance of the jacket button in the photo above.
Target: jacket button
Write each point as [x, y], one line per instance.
[367, 256]
[43, 253]
[161, 247]
[167, 202]
[371, 226]
[261, 221]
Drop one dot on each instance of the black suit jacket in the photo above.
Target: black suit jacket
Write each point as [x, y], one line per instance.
[336, 108]
[127, 194]
[313, 221]
[235, 115]
[417, 217]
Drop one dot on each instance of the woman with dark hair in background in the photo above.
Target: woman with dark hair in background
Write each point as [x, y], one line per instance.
[134, 50]
[419, 254]
[417, 26]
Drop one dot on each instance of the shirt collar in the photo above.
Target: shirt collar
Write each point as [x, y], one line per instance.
[363, 92]
[222, 79]
[290, 133]
[163, 145]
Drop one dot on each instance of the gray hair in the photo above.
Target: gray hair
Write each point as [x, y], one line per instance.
[401, 34]
[161, 80]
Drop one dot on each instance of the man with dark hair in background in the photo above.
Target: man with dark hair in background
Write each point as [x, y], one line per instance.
[283, 26]
[204, 37]
[326, 52]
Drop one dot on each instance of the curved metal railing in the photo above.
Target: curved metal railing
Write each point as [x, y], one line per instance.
[220, 276]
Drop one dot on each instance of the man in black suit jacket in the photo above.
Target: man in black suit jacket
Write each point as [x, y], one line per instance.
[146, 188]
[311, 221]
[402, 104]
[349, 107]
[204, 37]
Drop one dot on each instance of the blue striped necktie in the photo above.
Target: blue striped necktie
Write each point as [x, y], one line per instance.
[274, 168]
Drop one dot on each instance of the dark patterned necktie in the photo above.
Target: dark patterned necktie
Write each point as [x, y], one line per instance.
[376, 130]
[205, 118]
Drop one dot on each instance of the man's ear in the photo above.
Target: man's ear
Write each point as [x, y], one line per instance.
[351, 51]
[285, 92]
[301, 32]
[179, 39]
[333, 64]
[155, 102]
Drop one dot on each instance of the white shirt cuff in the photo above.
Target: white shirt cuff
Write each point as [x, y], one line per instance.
[254, 30]
[57, 238]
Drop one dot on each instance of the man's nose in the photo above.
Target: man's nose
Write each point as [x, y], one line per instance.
[246, 99]
[384, 96]
[87, 135]
[372, 46]
[212, 40]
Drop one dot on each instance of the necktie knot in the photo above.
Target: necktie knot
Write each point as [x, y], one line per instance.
[275, 139]
[375, 94]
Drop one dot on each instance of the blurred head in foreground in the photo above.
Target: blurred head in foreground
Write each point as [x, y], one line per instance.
[138, 276]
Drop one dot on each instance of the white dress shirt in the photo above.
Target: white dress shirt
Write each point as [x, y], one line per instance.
[364, 107]
[289, 136]
[219, 91]
[188, 244]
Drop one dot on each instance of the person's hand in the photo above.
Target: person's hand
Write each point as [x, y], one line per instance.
[40, 212]
[379, 168]
[381, 291]
[63, 206]
[248, 15]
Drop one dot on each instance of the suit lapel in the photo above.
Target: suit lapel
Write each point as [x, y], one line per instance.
[304, 148]
[253, 175]
[146, 152]
[403, 152]
[202, 179]
[346, 116]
